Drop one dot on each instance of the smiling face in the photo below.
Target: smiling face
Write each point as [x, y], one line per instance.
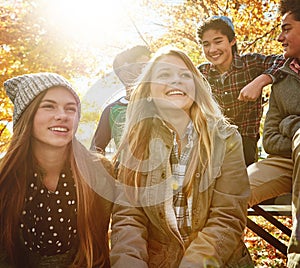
[290, 36]
[218, 49]
[173, 85]
[56, 119]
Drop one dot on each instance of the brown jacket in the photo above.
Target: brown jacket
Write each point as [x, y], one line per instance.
[145, 233]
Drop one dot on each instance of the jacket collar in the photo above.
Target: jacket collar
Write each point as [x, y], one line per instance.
[295, 66]
[287, 69]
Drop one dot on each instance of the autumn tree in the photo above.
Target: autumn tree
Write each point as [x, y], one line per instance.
[256, 23]
[28, 44]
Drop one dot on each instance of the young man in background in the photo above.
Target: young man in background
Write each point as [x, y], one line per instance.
[279, 173]
[229, 75]
[127, 66]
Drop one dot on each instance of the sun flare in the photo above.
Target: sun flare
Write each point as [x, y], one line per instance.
[92, 20]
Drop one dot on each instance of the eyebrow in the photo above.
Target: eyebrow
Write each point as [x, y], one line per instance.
[53, 101]
[214, 39]
[168, 68]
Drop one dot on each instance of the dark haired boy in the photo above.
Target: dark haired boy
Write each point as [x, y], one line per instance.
[236, 80]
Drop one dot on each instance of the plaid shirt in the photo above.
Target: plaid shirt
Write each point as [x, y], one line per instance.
[226, 88]
[182, 205]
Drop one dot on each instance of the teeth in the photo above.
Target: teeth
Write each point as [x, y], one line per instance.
[175, 92]
[61, 129]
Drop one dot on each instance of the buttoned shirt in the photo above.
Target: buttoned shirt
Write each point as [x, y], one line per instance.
[179, 162]
[226, 88]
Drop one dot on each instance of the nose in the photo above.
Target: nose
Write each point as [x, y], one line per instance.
[280, 37]
[176, 79]
[61, 115]
[211, 48]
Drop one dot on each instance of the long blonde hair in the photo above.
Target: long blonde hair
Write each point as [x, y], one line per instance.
[15, 170]
[204, 113]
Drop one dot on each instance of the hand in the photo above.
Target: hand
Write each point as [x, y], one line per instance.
[250, 93]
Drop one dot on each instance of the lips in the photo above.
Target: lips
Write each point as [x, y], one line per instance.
[215, 57]
[59, 129]
[285, 47]
[175, 92]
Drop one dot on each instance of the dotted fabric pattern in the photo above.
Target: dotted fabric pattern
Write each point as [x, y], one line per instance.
[49, 221]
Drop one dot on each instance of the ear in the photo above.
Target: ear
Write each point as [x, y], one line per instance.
[233, 41]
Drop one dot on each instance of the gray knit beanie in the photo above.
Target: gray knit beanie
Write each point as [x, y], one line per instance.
[24, 88]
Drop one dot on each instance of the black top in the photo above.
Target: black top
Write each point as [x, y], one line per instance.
[49, 221]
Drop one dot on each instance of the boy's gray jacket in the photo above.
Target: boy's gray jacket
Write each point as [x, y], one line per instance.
[283, 117]
[144, 230]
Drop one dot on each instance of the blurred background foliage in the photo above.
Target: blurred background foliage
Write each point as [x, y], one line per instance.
[31, 42]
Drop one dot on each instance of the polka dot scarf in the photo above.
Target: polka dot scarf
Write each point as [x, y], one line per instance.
[48, 221]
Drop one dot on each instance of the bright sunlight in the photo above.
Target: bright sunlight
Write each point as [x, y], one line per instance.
[96, 21]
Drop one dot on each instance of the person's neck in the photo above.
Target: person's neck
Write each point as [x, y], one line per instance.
[51, 161]
[224, 67]
[177, 121]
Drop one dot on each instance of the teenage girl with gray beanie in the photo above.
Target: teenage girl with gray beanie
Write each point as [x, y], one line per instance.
[55, 196]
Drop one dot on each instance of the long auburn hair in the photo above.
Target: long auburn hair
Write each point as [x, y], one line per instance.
[204, 113]
[15, 170]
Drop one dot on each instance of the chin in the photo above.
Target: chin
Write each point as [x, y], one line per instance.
[288, 54]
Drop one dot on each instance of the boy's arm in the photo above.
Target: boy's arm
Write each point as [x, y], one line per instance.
[272, 74]
[102, 134]
[253, 90]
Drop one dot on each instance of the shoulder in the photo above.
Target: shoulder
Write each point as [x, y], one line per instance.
[107, 164]
[99, 162]
[225, 130]
[204, 66]
[251, 56]
[121, 101]
[248, 57]
[90, 158]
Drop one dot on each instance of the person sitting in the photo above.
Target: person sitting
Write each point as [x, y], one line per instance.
[279, 173]
[182, 186]
[56, 197]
